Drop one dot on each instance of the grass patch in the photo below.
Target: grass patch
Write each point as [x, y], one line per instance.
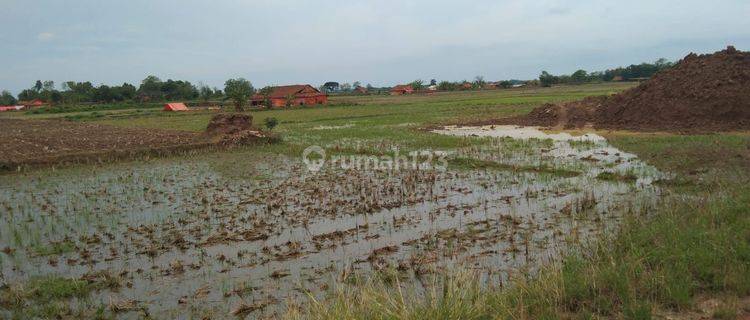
[473, 164]
[616, 176]
[54, 248]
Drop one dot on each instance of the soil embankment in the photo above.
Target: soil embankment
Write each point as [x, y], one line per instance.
[700, 93]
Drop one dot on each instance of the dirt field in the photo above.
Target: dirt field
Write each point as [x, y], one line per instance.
[40, 142]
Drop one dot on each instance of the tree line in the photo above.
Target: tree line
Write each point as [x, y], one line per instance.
[151, 89]
[634, 71]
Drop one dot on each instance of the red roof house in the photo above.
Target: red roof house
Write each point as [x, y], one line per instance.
[32, 103]
[402, 89]
[175, 106]
[294, 95]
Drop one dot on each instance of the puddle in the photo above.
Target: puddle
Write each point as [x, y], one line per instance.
[588, 151]
[201, 235]
[515, 132]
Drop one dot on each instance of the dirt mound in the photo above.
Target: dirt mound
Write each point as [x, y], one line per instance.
[236, 129]
[700, 93]
[229, 123]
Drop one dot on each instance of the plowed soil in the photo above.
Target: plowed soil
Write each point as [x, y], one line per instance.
[43, 142]
[700, 93]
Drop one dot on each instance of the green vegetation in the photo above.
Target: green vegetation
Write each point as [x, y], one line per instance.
[271, 123]
[469, 163]
[661, 261]
[239, 91]
[616, 176]
[632, 72]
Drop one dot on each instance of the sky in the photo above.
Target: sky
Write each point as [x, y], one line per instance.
[380, 42]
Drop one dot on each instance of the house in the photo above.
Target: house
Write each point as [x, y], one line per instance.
[7, 108]
[294, 95]
[402, 89]
[175, 106]
[33, 103]
[360, 90]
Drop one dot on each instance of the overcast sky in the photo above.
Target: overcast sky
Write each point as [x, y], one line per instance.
[380, 42]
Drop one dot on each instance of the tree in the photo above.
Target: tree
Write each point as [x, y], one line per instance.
[239, 90]
[266, 94]
[331, 86]
[356, 84]
[433, 82]
[38, 86]
[7, 98]
[579, 76]
[479, 82]
[150, 88]
[271, 123]
[205, 92]
[447, 86]
[346, 87]
[506, 84]
[546, 79]
[417, 84]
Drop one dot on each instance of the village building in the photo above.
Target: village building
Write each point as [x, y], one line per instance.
[360, 90]
[402, 89]
[294, 95]
[33, 103]
[175, 106]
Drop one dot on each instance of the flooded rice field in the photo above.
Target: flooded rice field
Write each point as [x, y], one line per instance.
[242, 233]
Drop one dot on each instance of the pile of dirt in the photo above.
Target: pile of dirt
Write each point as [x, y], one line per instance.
[229, 123]
[700, 93]
[234, 129]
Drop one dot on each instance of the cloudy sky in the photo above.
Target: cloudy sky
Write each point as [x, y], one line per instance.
[380, 42]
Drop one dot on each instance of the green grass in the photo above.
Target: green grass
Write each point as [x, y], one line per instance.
[47, 297]
[616, 176]
[469, 163]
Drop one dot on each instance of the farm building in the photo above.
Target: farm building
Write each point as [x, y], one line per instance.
[32, 103]
[360, 90]
[402, 89]
[294, 95]
[175, 106]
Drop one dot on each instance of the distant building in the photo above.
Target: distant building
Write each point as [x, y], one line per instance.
[33, 103]
[175, 106]
[295, 95]
[617, 78]
[402, 89]
[360, 90]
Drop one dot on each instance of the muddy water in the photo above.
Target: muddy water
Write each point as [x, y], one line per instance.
[199, 236]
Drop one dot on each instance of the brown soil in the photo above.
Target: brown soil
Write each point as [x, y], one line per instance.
[33, 143]
[38, 142]
[701, 93]
[233, 129]
[229, 123]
